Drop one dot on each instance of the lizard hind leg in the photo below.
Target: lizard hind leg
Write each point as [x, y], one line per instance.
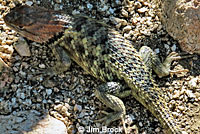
[109, 94]
[153, 62]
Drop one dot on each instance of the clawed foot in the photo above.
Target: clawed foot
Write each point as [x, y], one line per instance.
[106, 120]
[63, 62]
[46, 75]
[165, 68]
[175, 56]
[57, 69]
[153, 62]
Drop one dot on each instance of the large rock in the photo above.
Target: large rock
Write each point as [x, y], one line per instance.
[182, 21]
[30, 122]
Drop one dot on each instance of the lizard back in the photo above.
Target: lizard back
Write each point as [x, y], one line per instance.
[107, 55]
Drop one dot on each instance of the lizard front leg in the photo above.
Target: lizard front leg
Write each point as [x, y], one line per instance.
[63, 62]
[152, 61]
[109, 94]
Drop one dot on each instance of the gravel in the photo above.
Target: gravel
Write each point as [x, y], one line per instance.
[69, 96]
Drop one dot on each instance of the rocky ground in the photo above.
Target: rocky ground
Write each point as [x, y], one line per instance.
[29, 100]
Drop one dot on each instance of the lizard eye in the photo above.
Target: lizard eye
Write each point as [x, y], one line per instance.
[21, 27]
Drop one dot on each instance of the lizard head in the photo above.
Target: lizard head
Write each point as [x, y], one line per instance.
[35, 23]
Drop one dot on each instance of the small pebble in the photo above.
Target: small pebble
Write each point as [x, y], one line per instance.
[22, 47]
[157, 130]
[48, 91]
[140, 124]
[193, 83]
[29, 3]
[89, 6]
[78, 108]
[142, 10]
[104, 8]
[127, 28]
[138, 4]
[190, 94]
[181, 108]
[157, 50]
[166, 46]
[111, 10]
[124, 13]
[173, 48]
[42, 66]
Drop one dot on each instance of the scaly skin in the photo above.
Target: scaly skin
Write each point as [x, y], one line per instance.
[99, 50]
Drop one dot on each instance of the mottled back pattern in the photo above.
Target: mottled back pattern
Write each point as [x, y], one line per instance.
[108, 56]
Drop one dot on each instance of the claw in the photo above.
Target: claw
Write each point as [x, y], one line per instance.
[124, 126]
[177, 56]
[104, 112]
[173, 56]
[177, 72]
[101, 120]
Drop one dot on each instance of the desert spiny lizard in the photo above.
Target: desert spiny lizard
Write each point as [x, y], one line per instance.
[105, 54]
